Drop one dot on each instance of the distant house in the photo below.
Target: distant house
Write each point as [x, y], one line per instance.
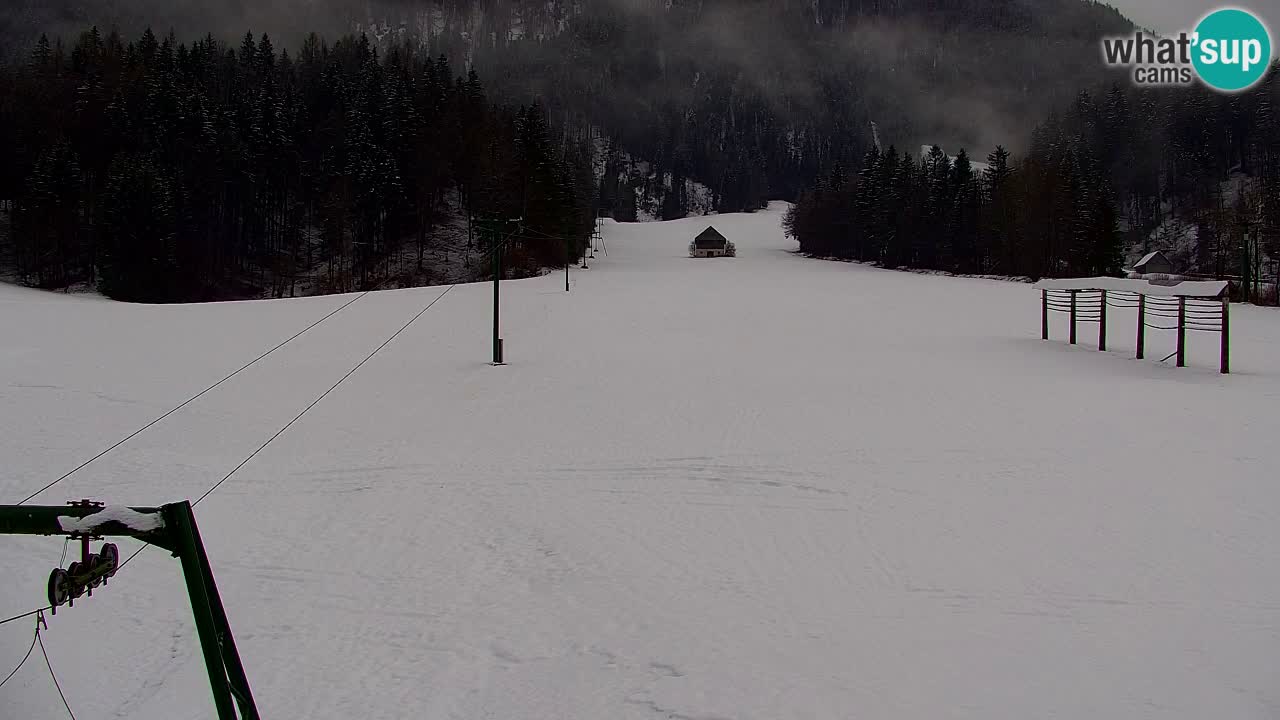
[710, 243]
[1153, 264]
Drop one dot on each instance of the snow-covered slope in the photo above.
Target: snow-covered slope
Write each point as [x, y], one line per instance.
[762, 487]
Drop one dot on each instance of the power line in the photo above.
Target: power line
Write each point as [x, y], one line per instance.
[48, 664]
[192, 399]
[37, 639]
[24, 657]
[323, 395]
[502, 244]
[286, 427]
[29, 613]
[545, 235]
[277, 434]
[25, 614]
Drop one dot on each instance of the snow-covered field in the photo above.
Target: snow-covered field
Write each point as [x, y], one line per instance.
[762, 487]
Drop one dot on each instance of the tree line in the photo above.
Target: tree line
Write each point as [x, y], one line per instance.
[740, 101]
[755, 99]
[166, 171]
[750, 99]
[1047, 216]
[1113, 175]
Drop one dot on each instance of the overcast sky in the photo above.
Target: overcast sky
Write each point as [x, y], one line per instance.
[1174, 15]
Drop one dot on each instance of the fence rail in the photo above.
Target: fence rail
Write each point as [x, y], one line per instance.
[1164, 312]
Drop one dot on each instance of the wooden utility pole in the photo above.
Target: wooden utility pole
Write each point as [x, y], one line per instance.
[1224, 364]
[497, 279]
[1182, 332]
[1044, 314]
[1142, 326]
[1073, 316]
[1102, 321]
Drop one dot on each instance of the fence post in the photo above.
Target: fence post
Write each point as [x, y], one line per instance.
[1182, 332]
[1044, 314]
[1073, 317]
[1225, 363]
[1102, 322]
[1142, 326]
[497, 278]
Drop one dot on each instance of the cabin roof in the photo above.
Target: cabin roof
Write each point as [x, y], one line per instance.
[1149, 257]
[710, 238]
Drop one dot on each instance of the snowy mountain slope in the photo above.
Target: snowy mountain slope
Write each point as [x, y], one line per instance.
[761, 487]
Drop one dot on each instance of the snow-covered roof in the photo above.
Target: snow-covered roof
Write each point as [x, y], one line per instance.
[710, 238]
[1157, 258]
[1185, 288]
[1147, 258]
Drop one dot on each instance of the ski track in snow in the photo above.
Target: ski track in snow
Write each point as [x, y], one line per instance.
[759, 487]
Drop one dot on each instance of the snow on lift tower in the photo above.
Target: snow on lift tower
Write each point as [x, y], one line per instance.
[710, 243]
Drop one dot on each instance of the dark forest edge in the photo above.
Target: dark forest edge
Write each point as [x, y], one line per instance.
[1105, 178]
[162, 171]
[695, 104]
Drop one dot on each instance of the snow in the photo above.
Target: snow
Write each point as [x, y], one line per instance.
[132, 519]
[768, 487]
[1169, 288]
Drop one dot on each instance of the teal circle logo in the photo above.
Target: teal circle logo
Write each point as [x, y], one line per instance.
[1231, 50]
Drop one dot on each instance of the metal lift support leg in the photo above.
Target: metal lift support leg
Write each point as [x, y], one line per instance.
[238, 682]
[179, 536]
[206, 627]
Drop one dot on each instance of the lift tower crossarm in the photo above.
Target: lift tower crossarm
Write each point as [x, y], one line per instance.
[172, 527]
[143, 523]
